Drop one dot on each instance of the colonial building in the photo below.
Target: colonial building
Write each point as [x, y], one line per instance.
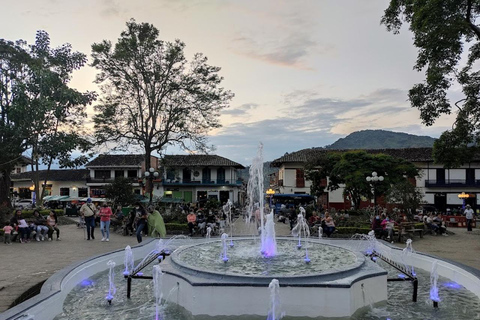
[67, 183]
[106, 167]
[440, 187]
[21, 165]
[196, 178]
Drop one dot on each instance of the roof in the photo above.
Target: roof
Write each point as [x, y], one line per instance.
[117, 160]
[409, 154]
[199, 160]
[24, 160]
[53, 175]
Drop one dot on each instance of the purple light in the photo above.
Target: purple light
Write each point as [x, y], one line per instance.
[225, 259]
[109, 297]
[374, 258]
[139, 273]
[86, 283]
[453, 285]
[307, 261]
[369, 252]
[401, 276]
[299, 246]
[434, 294]
[126, 273]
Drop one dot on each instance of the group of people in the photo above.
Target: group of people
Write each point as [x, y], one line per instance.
[383, 227]
[42, 228]
[89, 212]
[324, 223]
[198, 220]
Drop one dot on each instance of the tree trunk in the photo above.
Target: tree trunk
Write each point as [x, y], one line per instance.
[5, 205]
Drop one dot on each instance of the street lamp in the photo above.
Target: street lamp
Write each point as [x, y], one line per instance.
[373, 180]
[270, 192]
[150, 175]
[464, 196]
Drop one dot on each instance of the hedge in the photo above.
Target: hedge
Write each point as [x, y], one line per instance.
[176, 227]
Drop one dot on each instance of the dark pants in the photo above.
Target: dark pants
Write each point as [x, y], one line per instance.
[90, 223]
[328, 231]
[140, 227]
[469, 224]
[24, 233]
[51, 230]
[191, 225]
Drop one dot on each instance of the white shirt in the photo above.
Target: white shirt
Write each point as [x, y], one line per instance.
[469, 213]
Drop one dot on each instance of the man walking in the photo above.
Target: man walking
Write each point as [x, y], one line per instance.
[88, 212]
[469, 215]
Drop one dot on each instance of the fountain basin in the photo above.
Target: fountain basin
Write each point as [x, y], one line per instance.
[49, 303]
[222, 289]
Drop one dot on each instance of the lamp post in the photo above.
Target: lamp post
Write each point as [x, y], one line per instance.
[150, 175]
[373, 179]
[464, 196]
[270, 192]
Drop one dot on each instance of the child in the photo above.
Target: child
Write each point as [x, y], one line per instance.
[7, 229]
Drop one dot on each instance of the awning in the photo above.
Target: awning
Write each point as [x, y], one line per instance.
[54, 198]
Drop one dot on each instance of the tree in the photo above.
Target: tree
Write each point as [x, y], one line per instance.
[349, 170]
[442, 29]
[12, 60]
[407, 196]
[120, 192]
[52, 112]
[152, 97]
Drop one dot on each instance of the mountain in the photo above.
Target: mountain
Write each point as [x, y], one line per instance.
[381, 139]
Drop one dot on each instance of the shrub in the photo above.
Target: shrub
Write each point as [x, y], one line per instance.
[173, 228]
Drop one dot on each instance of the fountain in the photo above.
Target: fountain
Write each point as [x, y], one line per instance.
[336, 282]
[275, 311]
[111, 280]
[434, 285]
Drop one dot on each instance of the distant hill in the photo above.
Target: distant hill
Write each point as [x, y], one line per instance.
[381, 139]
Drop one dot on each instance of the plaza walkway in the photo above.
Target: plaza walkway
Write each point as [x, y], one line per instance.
[25, 265]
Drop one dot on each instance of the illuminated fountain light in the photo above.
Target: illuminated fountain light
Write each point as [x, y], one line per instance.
[128, 261]
[111, 279]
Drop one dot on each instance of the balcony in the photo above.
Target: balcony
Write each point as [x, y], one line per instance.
[451, 183]
[209, 182]
[110, 180]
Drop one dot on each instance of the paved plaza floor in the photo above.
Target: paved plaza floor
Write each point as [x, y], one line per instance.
[24, 265]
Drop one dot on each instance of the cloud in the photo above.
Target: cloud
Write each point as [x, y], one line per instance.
[310, 121]
[285, 38]
[241, 110]
[110, 8]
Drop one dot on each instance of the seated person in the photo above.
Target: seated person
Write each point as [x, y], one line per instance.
[192, 221]
[328, 225]
[41, 228]
[438, 220]
[377, 226]
[388, 226]
[201, 222]
[431, 225]
[117, 219]
[18, 222]
[52, 226]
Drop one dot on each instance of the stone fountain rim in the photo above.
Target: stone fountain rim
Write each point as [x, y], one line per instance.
[360, 261]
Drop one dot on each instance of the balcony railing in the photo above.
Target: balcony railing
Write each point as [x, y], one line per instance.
[110, 180]
[451, 183]
[191, 182]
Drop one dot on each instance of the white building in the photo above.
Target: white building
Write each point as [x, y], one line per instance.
[439, 186]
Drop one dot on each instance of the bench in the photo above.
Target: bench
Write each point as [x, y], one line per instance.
[407, 228]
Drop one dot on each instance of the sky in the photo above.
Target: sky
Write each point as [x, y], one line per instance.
[304, 73]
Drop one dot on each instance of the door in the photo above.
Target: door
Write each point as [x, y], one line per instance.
[206, 175]
[440, 177]
[441, 202]
[220, 176]
[224, 196]
[300, 179]
[187, 175]
[187, 196]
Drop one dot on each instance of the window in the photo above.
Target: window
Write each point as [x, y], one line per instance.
[132, 174]
[206, 175]
[171, 174]
[97, 193]
[221, 175]
[300, 179]
[83, 192]
[119, 174]
[102, 174]
[64, 191]
[19, 170]
[187, 175]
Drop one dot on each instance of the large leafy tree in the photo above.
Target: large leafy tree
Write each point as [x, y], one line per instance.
[13, 58]
[52, 112]
[152, 97]
[348, 170]
[442, 30]
[40, 112]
